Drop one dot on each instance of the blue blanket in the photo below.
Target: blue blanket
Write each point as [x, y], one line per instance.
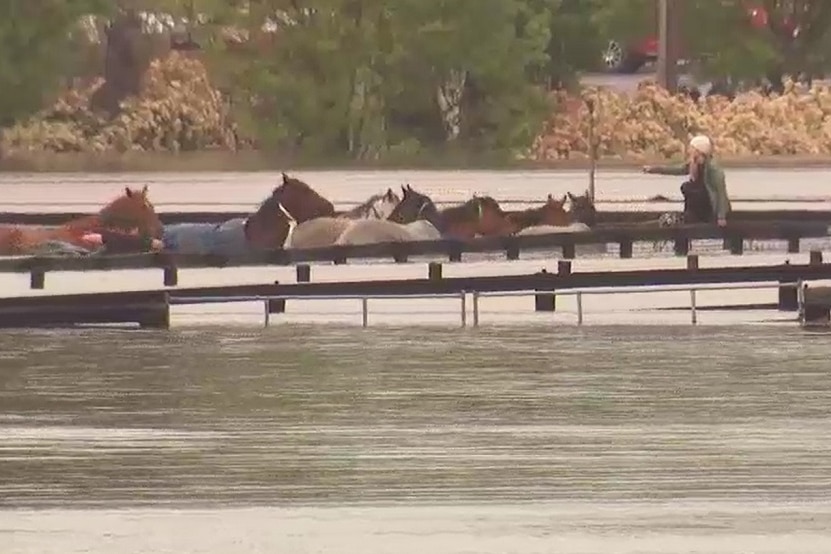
[224, 239]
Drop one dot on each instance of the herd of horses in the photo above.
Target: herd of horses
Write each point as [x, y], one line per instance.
[297, 216]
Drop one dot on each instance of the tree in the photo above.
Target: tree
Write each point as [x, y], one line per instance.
[36, 38]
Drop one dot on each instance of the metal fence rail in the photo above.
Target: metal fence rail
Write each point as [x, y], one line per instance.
[476, 296]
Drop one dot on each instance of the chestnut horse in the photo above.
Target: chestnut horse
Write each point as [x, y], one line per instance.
[551, 217]
[129, 212]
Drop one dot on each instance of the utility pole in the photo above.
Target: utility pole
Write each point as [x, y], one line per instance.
[669, 35]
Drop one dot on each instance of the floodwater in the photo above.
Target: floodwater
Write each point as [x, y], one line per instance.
[636, 433]
[333, 439]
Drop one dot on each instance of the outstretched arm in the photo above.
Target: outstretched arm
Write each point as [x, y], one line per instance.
[678, 170]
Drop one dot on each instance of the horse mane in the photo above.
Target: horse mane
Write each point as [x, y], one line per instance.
[365, 206]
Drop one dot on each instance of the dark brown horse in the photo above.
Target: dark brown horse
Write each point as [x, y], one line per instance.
[130, 212]
[269, 227]
[481, 215]
[552, 213]
[582, 209]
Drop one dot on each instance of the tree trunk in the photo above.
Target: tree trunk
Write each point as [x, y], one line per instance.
[123, 64]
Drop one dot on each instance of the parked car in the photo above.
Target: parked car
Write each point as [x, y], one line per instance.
[620, 57]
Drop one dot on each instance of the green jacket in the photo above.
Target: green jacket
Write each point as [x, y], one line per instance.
[714, 181]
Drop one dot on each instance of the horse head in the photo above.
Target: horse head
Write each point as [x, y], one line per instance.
[413, 206]
[301, 201]
[582, 209]
[130, 211]
[384, 204]
[269, 227]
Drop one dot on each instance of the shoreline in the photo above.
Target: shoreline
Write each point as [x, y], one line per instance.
[251, 161]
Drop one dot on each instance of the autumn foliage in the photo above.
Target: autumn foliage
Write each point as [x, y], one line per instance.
[653, 124]
[177, 110]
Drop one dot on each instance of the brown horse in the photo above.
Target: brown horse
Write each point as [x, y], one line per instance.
[301, 201]
[270, 226]
[481, 215]
[130, 212]
[552, 213]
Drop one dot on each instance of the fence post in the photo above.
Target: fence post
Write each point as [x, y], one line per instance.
[476, 308]
[276, 305]
[692, 262]
[463, 298]
[788, 295]
[364, 312]
[545, 301]
[816, 257]
[434, 271]
[304, 273]
[171, 275]
[37, 278]
[693, 307]
[626, 248]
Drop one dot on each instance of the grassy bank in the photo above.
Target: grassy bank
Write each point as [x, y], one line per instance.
[261, 161]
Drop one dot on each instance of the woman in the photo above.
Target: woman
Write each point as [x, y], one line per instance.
[705, 193]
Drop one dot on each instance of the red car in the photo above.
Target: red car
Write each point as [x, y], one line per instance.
[621, 58]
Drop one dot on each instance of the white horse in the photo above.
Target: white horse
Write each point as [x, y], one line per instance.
[548, 229]
[370, 231]
[324, 231]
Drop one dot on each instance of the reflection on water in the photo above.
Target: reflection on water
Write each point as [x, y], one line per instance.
[690, 433]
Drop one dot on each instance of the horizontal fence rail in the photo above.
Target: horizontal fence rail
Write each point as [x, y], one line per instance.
[733, 237]
[604, 217]
[476, 296]
[151, 308]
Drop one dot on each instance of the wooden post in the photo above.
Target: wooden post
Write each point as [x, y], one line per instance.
[682, 246]
[788, 296]
[793, 245]
[736, 245]
[434, 271]
[569, 251]
[816, 257]
[156, 315]
[817, 309]
[455, 255]
[545, 301]
[626, 248]
[669, 14]
[512, 250]
[692, 262]
[304, 273]
[37, 278]
[171, 276]
[278, 305]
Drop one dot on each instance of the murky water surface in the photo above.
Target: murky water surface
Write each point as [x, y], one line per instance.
[336, 439]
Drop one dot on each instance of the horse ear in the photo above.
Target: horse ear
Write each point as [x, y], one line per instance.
[285, 178]
[550, 198]
[145, 190]
[570, 196]
[128, 191]
[404, 190]
[563, 201]
[409, 186]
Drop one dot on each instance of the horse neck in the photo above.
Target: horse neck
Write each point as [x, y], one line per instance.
[85, 223]
[364, 209]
